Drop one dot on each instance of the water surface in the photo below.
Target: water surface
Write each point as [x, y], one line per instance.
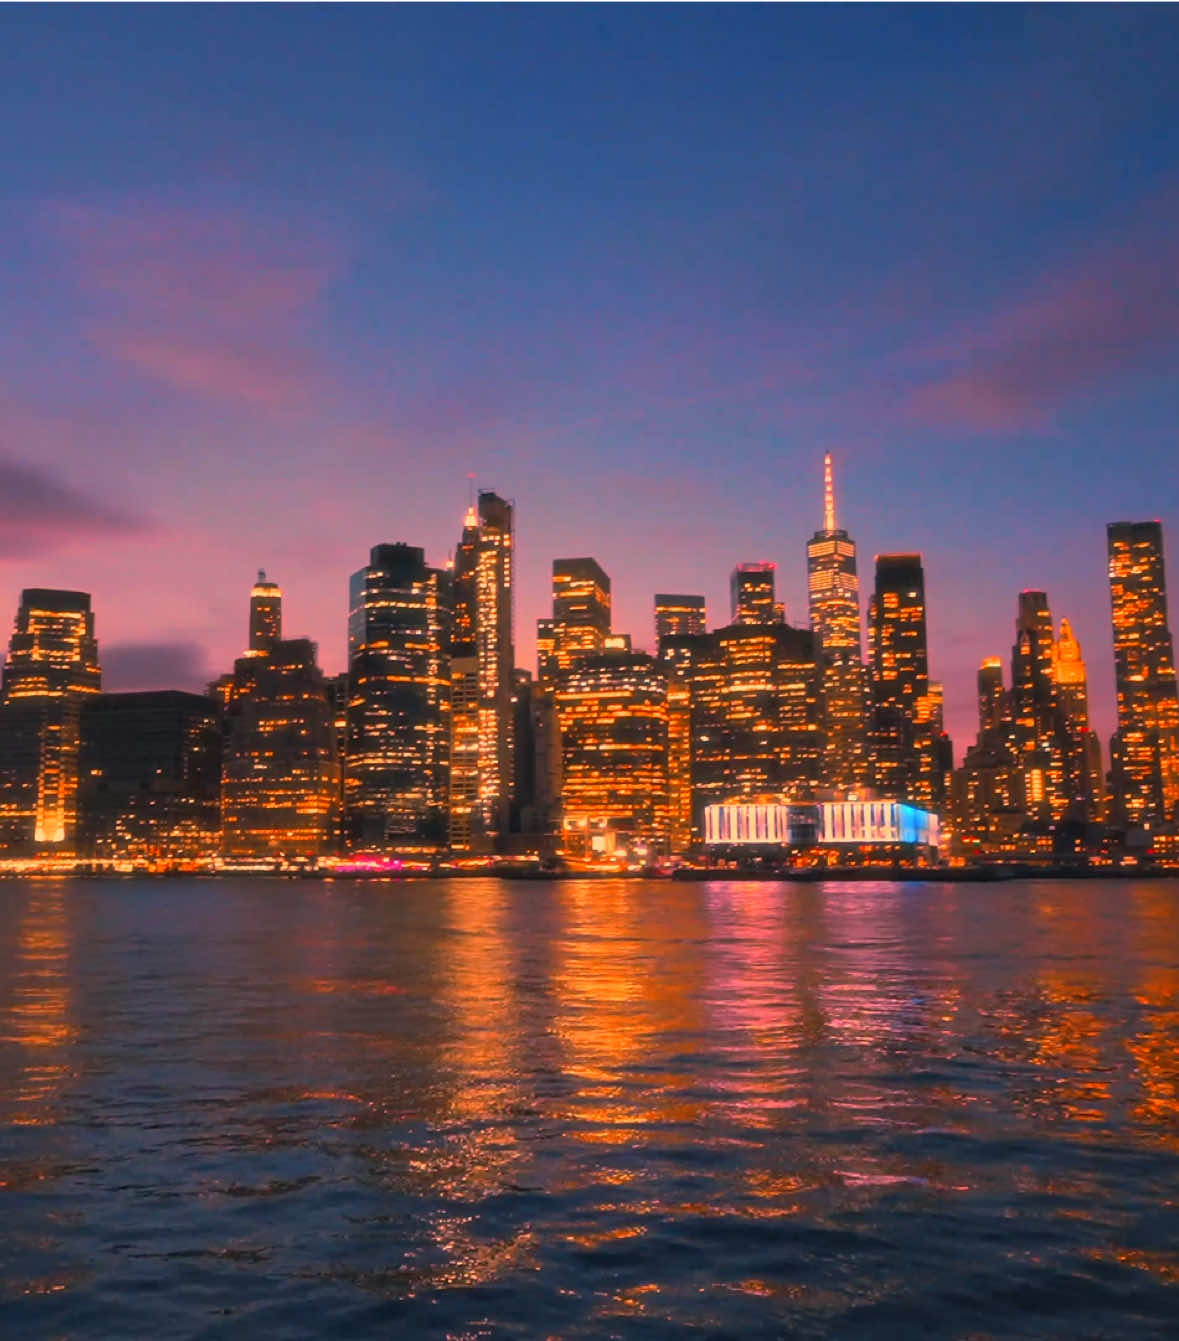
[587, 1109]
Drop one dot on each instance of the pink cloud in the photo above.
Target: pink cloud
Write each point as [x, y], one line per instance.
[214, 304]
[1106, 314]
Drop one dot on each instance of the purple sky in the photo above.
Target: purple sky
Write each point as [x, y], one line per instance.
[278, 281]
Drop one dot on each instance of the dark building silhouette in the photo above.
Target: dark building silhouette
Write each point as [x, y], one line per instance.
[150, 768]
[751, 593]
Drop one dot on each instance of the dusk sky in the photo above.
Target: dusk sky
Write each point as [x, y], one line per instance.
[276, 281]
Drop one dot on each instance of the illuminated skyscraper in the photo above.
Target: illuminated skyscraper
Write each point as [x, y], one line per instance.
[280, 769]
[1083, 780]
[612, 710]
[581, 616]
[992, 699]
[899, 672]
[751, 589]
[483, 582]
[398, 716]
[675, 615]
[755, 730]
[1035, 719]
[833, 590]
[265, 614]
[51, 670]
[1146, 745]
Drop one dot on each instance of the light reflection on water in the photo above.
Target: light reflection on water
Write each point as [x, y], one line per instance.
[476, 1108]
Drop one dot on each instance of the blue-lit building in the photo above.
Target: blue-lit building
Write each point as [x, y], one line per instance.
[856, 830]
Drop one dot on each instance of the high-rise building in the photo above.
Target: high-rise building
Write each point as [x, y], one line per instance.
[150, 778]
[398, 715]
[612, 711]
[1035, 719]
[483, 583]
[986, 790]
[1146, 745]
[833, 590]
[265, 614]
[992, 699]
[1083, 779]
[581, 616]
[675, 615]
[751, 590]
[280, 773]
[755, 730]
[465, 833]
[52, 668]
[899, 663]
[280, 760]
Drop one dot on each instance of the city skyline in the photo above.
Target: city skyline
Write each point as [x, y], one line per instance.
[280, 321]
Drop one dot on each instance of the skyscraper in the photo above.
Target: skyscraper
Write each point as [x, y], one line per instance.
[1035, 720]
[265, 614]
[899, 672]
[751, 589]
[1083, 779]
[581, 616]
[833, 590]
[150, 777]
[483, 583]
[280, 774]
[52, 668]
[398, 715]
[1146, 744]
[612, 710]
[675, 615]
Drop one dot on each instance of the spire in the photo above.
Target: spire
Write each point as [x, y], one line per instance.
[828, 495]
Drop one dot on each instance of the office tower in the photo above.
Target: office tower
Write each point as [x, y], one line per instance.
[833, 590]
[899, 666]
[755, 728]
[464, 832]
[992, 699]
[150, 778]
[675, 615]
[482, 585]
[52, 668]
[679, 762]
[265, 614]
[986, 790]
[1146, 744]
[398, 716]
[280, 763]
[581, 616]
[612, 711]
[1083, 782]
[617, 642]
[751, 589]
[1035, 733]
[537, 791]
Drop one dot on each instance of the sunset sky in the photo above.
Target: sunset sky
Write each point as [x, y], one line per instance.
[277, 281]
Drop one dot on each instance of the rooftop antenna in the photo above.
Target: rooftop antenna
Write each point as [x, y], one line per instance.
[828, 495]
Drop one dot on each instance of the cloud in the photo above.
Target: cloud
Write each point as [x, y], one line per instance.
[164, 665]
[1110, 313]
[209, 303]
[39, 512]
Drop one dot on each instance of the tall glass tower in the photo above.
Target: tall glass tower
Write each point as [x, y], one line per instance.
[52, 668]
[833, 590]
[398, 734]
[1146, 745]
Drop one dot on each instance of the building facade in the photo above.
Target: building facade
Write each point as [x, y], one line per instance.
[675, 615]
[397, 759]
[51, 671]
[833, 592]
[1146, 745]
